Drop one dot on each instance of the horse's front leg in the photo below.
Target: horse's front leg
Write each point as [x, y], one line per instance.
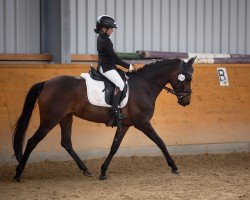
[149, 131]
[120, 132]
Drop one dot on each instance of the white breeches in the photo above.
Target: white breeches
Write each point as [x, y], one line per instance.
[114, 77]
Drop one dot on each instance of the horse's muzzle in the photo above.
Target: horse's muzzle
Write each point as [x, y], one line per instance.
[183, 102]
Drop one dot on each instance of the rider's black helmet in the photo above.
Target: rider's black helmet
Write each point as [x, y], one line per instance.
[104, 21]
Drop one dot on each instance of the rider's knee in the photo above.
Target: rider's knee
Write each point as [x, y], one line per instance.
[120, 85]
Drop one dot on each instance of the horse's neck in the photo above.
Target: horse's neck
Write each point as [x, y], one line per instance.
[160, 74]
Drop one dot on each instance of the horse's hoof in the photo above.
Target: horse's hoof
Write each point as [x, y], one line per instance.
[102, 178]
[175, 172]
[87, 173]
[16, 179]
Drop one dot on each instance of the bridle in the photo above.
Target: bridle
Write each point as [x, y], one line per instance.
[177, 88]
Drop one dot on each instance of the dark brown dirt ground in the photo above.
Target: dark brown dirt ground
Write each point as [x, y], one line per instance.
[220, 176]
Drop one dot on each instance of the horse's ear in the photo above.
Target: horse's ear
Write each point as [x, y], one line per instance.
[190, 68]
[191, 61]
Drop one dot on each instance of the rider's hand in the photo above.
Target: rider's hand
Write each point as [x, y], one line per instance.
[132, 68]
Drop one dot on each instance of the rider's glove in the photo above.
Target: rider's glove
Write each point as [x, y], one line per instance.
[132, 68]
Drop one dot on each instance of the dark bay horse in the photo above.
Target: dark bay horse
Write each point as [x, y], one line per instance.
[64, 96]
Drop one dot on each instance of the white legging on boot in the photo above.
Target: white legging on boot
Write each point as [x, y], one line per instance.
[114, 77]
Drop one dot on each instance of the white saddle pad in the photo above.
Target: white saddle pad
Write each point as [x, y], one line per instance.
[95, 93]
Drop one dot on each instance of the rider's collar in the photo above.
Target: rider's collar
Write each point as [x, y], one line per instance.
[103, 34]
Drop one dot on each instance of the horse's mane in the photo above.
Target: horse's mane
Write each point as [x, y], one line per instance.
[157, 63]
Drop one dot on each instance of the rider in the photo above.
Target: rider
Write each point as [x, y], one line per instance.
[107, 60]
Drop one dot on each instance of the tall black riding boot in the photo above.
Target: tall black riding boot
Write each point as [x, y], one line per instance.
[118, 116]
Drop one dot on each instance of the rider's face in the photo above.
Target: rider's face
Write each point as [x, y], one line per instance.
[108, 31]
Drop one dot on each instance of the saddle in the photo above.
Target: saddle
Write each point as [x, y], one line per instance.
[109, 87]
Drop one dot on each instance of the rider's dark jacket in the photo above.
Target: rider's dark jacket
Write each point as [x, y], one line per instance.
[106, 54]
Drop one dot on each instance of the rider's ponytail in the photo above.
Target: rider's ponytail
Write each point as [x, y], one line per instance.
[97, 30]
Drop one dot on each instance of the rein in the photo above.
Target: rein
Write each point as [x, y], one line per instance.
[169, 90]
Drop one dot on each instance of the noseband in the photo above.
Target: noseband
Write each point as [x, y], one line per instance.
[177, 89]
[179, 92]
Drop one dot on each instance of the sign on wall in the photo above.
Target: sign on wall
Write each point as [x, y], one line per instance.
[222, 74]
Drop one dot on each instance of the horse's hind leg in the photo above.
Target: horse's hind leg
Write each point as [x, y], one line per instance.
[120, 132]
[66, 125]
[41, 132]
[149, 131]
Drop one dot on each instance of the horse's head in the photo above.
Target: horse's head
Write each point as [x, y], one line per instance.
[181, 81]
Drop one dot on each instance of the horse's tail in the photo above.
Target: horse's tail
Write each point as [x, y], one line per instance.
[23, 121]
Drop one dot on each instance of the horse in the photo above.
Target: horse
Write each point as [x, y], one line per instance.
[62, 97]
